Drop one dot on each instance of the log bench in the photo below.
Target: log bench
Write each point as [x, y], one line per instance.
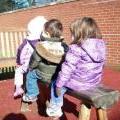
[101, 98]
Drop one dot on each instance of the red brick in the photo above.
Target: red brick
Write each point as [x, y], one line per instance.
[106, 13]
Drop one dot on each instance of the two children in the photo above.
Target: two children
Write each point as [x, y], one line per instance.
[83, 65]
[45, 59]
[25, 50]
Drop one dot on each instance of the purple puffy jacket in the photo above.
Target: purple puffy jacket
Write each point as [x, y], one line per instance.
[83, 65]
[24, 53]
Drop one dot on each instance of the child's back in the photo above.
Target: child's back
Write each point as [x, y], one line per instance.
[86, 63]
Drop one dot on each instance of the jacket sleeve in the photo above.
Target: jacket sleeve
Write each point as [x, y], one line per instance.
[34, 61]
[19, 51]
[18, 57]
[68, 67]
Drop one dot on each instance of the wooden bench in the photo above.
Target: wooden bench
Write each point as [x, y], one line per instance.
[101, 98]
[9, 42]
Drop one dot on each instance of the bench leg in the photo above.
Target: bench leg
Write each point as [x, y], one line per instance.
[102, 114]
[24, 107]
[84, 113]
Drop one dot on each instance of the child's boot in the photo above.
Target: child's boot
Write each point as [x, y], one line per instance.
[53, 110]
[27, 98]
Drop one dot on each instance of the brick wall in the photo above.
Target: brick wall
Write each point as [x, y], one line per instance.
[105, 12]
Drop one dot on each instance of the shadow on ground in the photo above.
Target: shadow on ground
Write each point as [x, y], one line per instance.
[13, 116]
[7, 75]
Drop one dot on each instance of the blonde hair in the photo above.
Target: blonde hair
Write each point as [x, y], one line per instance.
[84, 28]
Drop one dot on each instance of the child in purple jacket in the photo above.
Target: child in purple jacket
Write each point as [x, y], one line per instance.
[25, 50]
[83, 65]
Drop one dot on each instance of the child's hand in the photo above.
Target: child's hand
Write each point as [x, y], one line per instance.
[58, 91]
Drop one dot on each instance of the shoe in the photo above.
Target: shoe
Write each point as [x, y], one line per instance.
[18, 92]
[27, 98]
[54, 111]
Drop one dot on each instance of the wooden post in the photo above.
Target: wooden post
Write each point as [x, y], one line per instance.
[34, 107]
[24, 107]
[84, 113]
[102, 114]
[27, 107]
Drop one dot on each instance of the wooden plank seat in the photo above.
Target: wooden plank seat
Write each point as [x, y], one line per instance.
[101, 98]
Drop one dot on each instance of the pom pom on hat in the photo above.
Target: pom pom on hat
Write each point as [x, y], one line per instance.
[35, 27]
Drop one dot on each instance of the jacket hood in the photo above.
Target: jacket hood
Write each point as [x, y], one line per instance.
[35, 27]
[95, 48]
[51, 51]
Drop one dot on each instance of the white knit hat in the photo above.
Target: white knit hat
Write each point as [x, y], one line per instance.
[35, 27]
